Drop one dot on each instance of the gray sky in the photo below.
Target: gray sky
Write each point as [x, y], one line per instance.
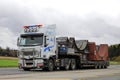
[95, 20]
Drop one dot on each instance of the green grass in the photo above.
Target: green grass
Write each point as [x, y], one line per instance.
[8, 62]
[114, 62]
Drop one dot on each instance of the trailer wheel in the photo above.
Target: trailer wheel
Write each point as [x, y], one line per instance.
[50, 65]
[73, 64]
[96, 66]
[103, 67]
[26, 69]
[99, 66]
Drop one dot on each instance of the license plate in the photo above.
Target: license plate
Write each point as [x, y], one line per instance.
[29, 65]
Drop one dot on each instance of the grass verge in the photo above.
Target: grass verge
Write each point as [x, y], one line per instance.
[8, 62]
[13, 62]
[114, 62]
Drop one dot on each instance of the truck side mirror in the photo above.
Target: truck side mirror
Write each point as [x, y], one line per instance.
[45, 45]
[18, 42]
[45, 42]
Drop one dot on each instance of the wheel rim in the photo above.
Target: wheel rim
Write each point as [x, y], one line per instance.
[73, 65]
[96, 66]
[50, 65]
[103, 67]
[99, 67]
[67, 66]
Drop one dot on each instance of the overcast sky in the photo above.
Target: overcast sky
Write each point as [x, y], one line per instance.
[95, 20]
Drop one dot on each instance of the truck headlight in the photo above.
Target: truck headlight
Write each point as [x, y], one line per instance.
[20, 54]
[37, 53]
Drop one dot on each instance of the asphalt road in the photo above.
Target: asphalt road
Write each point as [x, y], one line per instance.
[112, 73]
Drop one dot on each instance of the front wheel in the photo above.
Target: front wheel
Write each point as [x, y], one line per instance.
[50, 65]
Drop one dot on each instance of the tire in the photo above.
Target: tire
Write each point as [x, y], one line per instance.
[26, 69]
[96, 66]
[103, 67]
[50, 65]
[99, 66]
[66, 67]
[73, 64]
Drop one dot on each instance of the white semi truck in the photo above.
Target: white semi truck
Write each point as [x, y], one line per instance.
[39, 48]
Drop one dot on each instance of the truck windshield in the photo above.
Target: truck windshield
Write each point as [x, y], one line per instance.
[34, 39]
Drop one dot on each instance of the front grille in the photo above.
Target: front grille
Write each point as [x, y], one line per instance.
[29, 63]
[28, 53]
[29, 60]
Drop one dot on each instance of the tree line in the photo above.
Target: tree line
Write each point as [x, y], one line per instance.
[114, 50]
[8, 52]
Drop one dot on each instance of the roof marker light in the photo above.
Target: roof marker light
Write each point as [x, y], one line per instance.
[31, 26]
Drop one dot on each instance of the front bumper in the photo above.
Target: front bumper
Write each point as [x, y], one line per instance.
[30, 63]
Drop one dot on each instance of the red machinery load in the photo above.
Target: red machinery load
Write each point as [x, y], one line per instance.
[98, 52]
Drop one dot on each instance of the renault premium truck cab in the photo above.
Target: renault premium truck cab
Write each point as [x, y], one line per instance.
[37, 47]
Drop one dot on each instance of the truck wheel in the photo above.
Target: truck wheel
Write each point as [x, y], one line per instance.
[50, 65]
[99, 66]
[73, 64]
[96, 66]
[103, 67]
[67, 66]
[26, 69]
